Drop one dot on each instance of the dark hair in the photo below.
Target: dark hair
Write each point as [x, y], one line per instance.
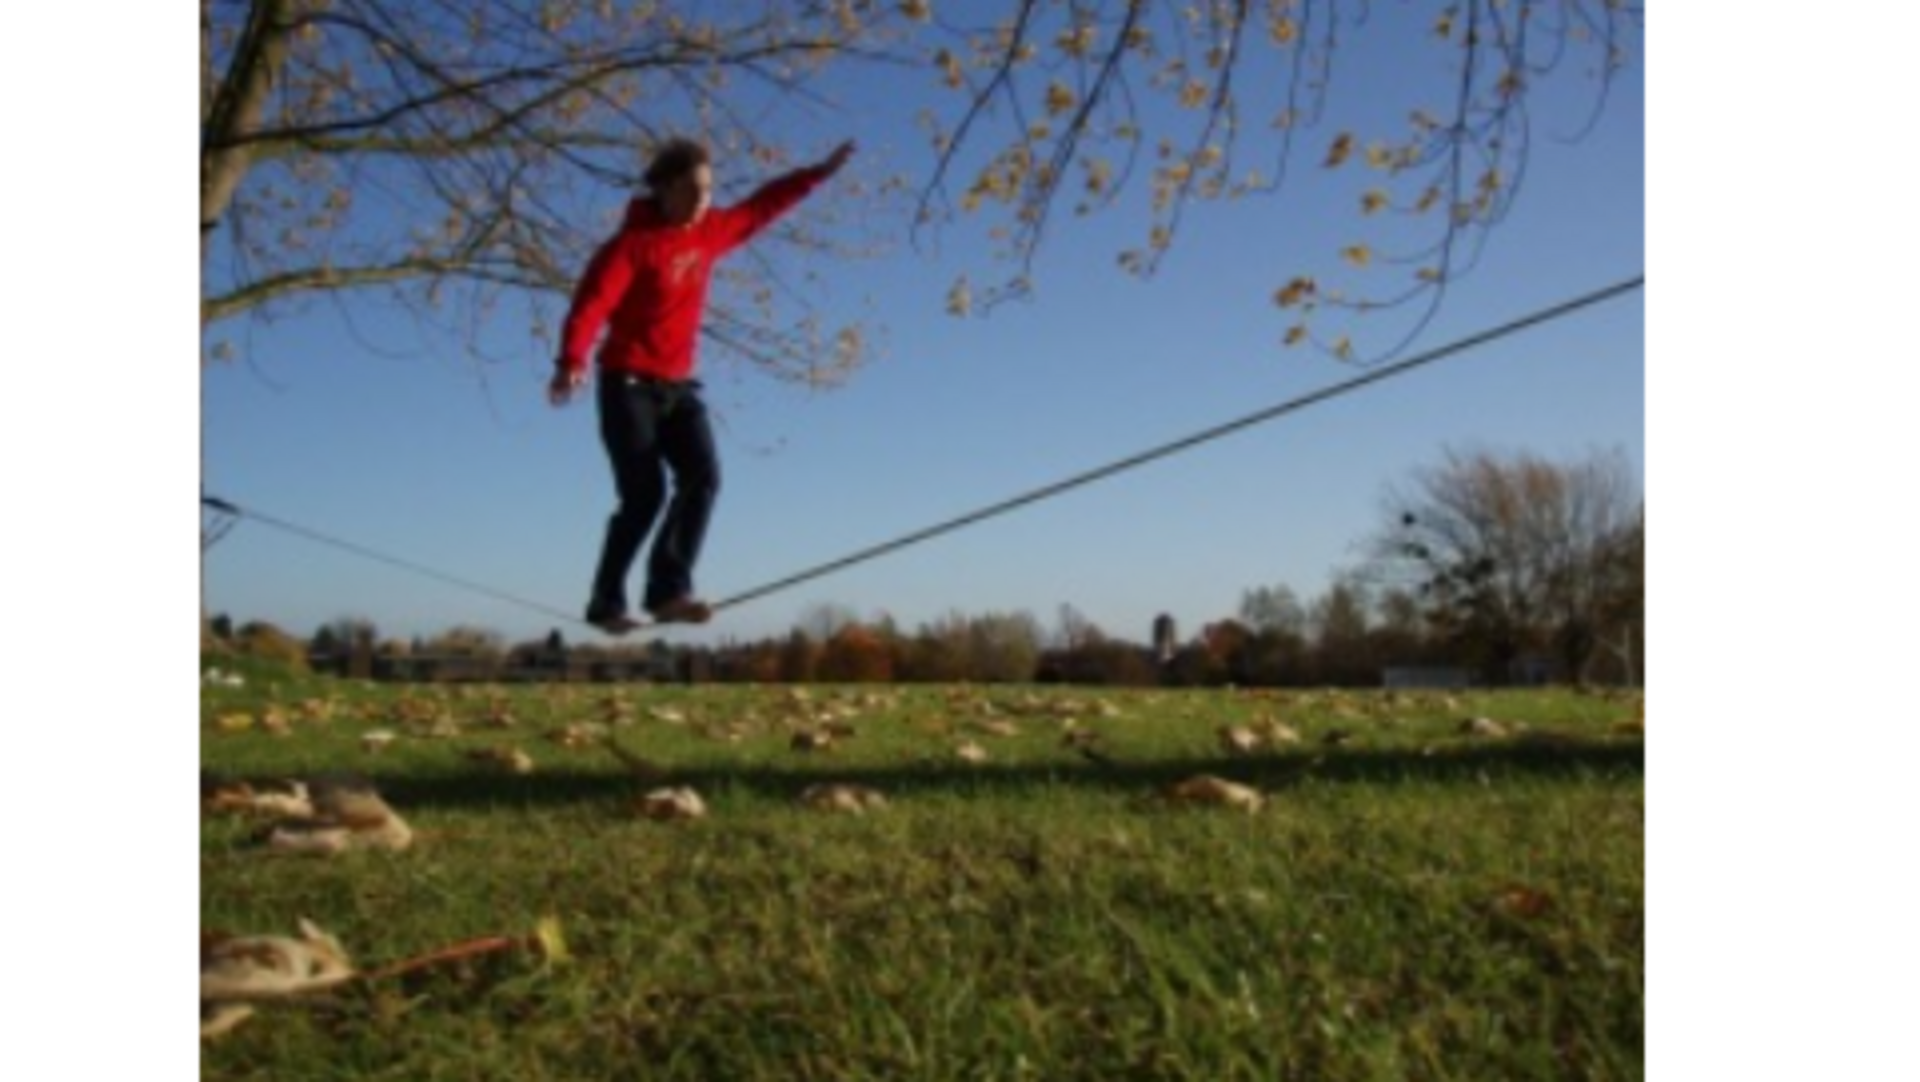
[675, 159]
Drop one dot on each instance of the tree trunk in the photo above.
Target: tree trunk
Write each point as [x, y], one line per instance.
[231, 105]
[200, 423]
[202, 108]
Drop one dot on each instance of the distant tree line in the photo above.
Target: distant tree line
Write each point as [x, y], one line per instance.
[1505, 568]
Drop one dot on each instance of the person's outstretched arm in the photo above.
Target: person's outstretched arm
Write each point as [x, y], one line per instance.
[741, 222]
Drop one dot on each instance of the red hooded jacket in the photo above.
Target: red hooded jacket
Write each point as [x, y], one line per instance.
[648, 285]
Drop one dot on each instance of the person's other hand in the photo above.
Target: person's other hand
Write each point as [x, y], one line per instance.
[565, 381]
[838, 158]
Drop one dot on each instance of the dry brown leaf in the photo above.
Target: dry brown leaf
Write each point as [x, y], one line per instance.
[575, 735]
[1206, 789]
[1278, 733]
[236, 971]
[1340, 150]
[234, 722]
[511, 760]
[1295, 292]
[1483, 726]
[1524, 902]
[809, 740]
[1060, 98]
[1238, 739]
[840, 797]
[346, 815]
[672, 805]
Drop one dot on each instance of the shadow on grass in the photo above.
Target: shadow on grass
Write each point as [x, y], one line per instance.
[1461, 764]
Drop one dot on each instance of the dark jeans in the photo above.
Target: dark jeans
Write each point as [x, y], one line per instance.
[649, 428]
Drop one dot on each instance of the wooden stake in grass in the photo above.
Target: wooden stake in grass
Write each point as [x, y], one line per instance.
[545, 941]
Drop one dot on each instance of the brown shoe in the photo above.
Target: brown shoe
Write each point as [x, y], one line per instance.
[682, 610]
[616, 625]
[613, 623]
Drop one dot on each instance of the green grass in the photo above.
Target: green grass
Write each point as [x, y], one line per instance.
[1411, 905]
[261, 674]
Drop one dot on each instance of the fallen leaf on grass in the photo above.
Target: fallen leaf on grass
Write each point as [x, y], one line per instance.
[837, 797]
[668, 805]
[511, 760]
[1206, 789]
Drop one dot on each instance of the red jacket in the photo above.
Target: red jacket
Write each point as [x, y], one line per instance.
[648, 285]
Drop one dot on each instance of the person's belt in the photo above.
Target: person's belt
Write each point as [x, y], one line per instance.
[635, 379]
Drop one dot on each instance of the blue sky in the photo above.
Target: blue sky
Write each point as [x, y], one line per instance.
[387, 438]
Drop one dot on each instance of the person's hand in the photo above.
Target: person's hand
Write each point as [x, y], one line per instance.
[565, 381]
[832, 163]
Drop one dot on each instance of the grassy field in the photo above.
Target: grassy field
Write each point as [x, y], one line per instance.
[1412, 902]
